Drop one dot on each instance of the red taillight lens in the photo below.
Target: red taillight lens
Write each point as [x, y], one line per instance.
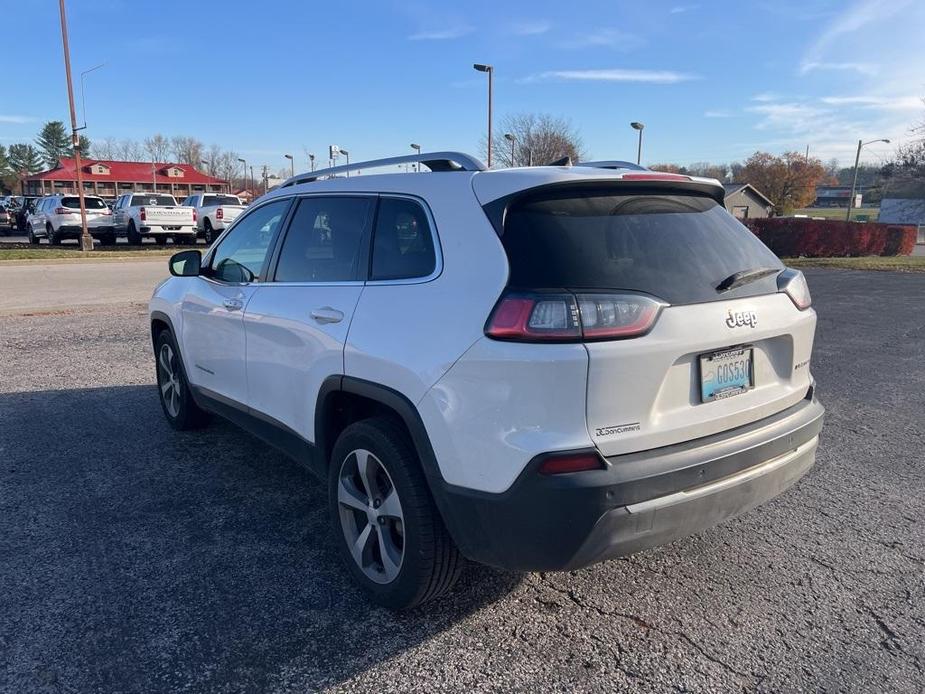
[219, 213]
[655, 176]
[570, 318]
[107, 211]
[196, 215]
[571, 462]
[64, 210]
[793, 283]
[141, 214]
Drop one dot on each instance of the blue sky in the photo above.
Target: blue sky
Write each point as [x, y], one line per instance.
[712, 81]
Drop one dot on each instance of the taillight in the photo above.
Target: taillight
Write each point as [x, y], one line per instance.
[566, 317]
[195, 216]
[793, 283]
[219, 213]
[64, 210]
[141, 214]
[558, 464]
[107, 211]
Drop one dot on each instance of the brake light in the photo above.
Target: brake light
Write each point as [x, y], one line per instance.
[195, 216]
[655, 176]
[219, 213]
[567, 317]
[107, 211]
[64, 210]
[793, 283]
[571, 462]
[141, 214]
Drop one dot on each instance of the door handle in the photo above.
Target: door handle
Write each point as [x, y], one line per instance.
[233, 304]
[326, 314]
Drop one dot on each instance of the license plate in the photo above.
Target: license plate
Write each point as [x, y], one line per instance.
[725, 374]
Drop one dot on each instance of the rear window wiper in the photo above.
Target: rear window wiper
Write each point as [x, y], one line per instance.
[737, 279]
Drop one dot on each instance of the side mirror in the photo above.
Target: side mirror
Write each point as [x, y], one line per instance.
[185, 264]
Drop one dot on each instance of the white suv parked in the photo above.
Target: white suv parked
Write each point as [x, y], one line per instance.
[535, 368]
[57, 217]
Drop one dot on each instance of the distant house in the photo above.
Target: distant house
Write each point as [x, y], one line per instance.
[835, 196]
[745, 201]
[904, 211]
[109, 179]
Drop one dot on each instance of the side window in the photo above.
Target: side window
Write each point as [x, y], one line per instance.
[323, 243]
[240, 256]
[403, 245]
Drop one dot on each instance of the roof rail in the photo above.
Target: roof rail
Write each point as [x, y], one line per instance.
[614, 164]
[435, 161]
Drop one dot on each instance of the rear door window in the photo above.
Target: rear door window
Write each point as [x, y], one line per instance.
[403, 244]
[675, 247]
[325, 239]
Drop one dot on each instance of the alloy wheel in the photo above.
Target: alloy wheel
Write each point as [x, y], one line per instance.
[169, 380]
[371, 516]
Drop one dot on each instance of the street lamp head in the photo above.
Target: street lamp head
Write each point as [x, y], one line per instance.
[636, 125]
[508, 137]
[288, 156]
[344, 152]
[885, 140]
[483, 68]
[243, 161]
[416, 147]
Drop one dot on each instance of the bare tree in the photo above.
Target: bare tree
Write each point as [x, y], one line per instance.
[106, 149]
[157, 148]
[187, 150]
[130, 150]
[539, 138]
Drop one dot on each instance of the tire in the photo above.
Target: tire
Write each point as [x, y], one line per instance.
[424, 561]
[177, 402]
[208, 233]
[52, 236]
[108, 240]
[134, 237]
[33, 239]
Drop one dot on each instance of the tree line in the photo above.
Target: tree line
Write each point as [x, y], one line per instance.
[53, 143]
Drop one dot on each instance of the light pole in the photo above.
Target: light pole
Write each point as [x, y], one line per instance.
[347, 155]
[491, 71]
[510, 138]
[86, 241]
[245, 173]
[311, 161]
[417, 148]
[635, 125]
[291, 164]
[854, 182]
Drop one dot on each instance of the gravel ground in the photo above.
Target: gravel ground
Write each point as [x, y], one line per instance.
[137, 559]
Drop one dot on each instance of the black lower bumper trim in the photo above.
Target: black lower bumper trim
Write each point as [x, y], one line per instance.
[548, 523]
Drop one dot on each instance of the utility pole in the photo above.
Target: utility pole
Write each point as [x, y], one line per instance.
[86, 241]
[265, 183]
[854, 182]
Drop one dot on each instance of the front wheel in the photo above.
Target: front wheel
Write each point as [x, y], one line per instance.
[160, 240]
[33, 239]
[53, 238]
[386, 525]
[181, 410]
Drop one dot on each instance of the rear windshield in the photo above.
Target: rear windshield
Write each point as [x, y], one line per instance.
[166, 200]
[220, 200]
[675, 247]
[89, 203]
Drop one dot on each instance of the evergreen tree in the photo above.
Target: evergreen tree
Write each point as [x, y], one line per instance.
[53, 142]
[24, 158]
[85, 145]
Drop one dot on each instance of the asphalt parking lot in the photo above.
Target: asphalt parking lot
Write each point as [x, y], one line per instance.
[134, 558]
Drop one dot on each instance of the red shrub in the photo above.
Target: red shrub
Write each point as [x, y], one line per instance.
[792, 237]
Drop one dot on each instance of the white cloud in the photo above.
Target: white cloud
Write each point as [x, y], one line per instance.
[613, 75]
[858, 16]
[607, 38]
[717, 114]
[533, 28]
[680, 9]
[792, 116]
[16, 119]
[446, 34]
[860, 68]
[894, 103]
[765, 97]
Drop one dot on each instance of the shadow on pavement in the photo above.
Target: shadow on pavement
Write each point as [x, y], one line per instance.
[136, 558]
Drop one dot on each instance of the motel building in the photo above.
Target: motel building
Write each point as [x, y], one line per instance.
[110, 179]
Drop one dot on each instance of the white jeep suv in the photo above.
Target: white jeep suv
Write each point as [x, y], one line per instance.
[535, 368]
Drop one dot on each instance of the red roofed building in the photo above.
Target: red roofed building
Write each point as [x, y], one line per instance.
[109, 179]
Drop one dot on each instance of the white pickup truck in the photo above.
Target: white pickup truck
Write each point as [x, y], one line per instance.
[215, 211]
[137, 215]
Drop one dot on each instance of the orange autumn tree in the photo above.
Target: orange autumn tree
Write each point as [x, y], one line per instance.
[789, 180]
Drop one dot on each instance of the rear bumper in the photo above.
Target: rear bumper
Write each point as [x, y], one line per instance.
[563, 522]
[70, 231]
[168, 229]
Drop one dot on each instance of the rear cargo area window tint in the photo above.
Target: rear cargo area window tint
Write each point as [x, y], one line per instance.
[676, 247]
